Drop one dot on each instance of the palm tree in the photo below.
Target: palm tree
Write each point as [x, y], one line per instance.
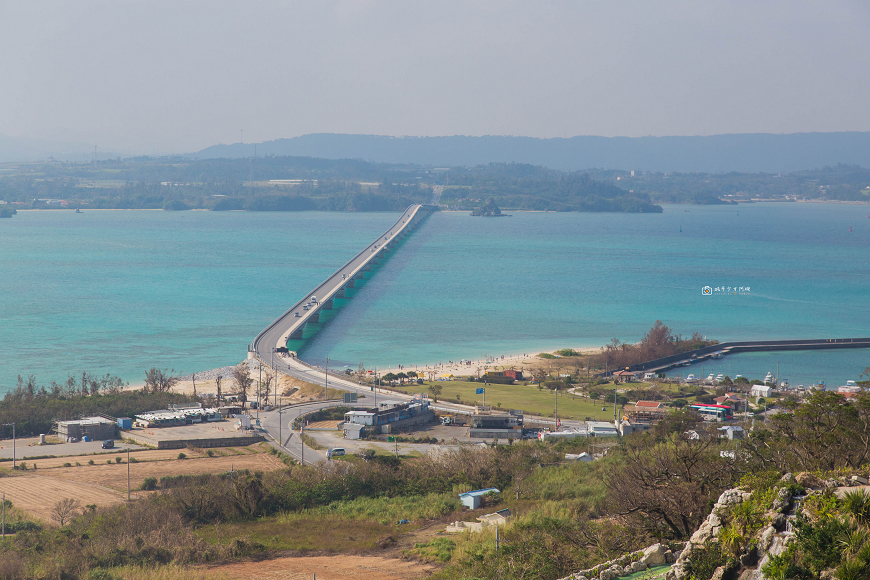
[851, 541]
[731, 539]
[402, 377]
[857, 504]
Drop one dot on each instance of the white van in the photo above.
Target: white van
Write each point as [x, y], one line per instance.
[330, 453]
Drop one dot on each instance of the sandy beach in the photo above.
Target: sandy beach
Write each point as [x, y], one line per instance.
[206, 380]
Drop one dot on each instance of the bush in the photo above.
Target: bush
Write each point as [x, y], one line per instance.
[149, 484]
[118, 460]
[67, 464]
[90, 461]
[546, 355]
[182, 456]
[210, 453]
[567, 352]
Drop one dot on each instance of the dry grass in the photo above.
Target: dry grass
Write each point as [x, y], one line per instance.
[167, 572]
[36, 494]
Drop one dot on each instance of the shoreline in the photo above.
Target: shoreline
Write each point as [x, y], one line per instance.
[500, 362]
[524, 360]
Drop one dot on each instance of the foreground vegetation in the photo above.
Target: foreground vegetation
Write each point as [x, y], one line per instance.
[655, 486]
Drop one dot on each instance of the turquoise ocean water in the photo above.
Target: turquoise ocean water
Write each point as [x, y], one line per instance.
[121, 291]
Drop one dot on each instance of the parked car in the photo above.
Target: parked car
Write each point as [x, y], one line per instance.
[109, 444]
[335, 452]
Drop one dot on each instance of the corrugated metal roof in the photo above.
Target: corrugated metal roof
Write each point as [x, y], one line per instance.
[477, 492]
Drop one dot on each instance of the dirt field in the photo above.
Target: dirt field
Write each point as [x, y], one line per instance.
[103, 484]
[115, 475]
[339, 567]
[332, 424]
[37, 494]
[150, 455]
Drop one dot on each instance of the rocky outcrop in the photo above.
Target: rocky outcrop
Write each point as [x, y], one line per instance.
[708, 530]
[654, 555]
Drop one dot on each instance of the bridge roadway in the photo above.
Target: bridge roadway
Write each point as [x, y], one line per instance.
[292, 323]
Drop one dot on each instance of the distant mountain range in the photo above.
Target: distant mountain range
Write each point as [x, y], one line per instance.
[746, 153]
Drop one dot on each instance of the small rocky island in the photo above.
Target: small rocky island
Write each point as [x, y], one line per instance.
[489, 209]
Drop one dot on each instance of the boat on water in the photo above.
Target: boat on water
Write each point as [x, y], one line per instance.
[783, 384]
[717, 355]
[78, 210]
[711, 377]
[691, 378]
[769, 379]
[719, 377]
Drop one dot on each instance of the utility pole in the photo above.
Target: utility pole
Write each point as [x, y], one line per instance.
[128, 474]
[556, 406]
[280, 428]
[326, 379]
[259, 383]
[4, 516]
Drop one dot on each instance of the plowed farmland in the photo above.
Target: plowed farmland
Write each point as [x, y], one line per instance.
[105, 484]
[37, 494]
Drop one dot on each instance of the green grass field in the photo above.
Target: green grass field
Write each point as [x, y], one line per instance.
[528, 398]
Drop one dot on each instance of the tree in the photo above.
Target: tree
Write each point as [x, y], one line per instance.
[65, 510]
[824, 432]
[243, 381]
[402, 377]
[668, 486]
[160, 381]
[435, 391]
[390, 377]
[266, 384]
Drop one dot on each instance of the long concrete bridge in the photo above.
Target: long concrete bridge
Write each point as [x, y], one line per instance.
[291, 324]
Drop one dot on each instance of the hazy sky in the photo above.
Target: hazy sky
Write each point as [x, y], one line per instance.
[175, 76]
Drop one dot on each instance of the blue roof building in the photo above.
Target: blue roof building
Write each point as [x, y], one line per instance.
[472, 499]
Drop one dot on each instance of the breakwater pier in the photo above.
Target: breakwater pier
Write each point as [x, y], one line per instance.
[720, 350]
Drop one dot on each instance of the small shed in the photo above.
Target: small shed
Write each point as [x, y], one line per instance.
[125, 422]
[760, 391]
[353, 430]
[731, 432]
[472, 499]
